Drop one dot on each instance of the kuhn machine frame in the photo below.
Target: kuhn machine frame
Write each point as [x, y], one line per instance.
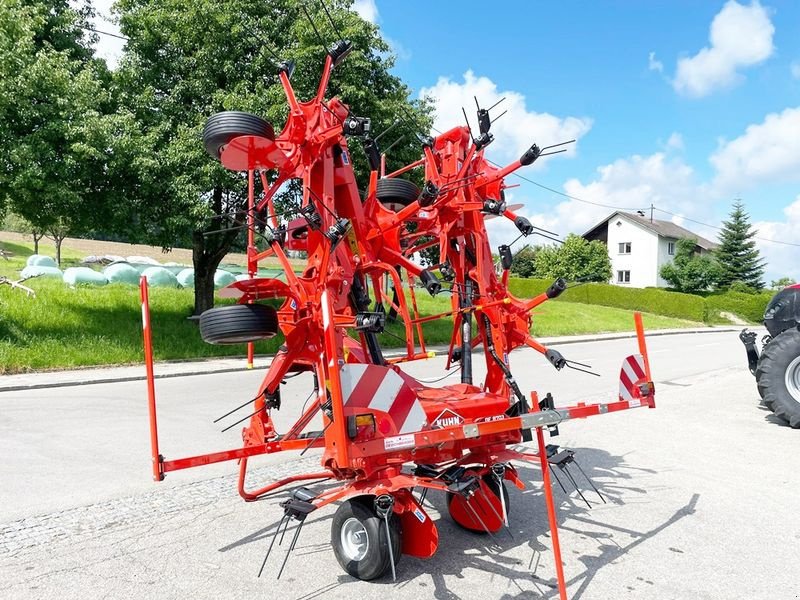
[384, 433]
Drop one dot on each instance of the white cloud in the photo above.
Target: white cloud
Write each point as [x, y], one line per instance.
[782, 260]
[516, 130]
[366, 10]
[675, 141]
[653, 64]
[767, 151]
[636, 181]
[740, 36]
[795, 69]
[632, 182]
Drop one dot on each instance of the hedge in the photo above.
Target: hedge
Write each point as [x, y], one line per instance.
[747, 306]
[527, 288]
[654, 300]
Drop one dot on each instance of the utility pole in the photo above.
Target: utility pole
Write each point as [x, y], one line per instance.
[651, 212]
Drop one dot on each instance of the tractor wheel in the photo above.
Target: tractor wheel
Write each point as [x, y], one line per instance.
[396, 194]
[778, 376]
[238, 324]
[358, 537]
[222, 127]
[496, 487]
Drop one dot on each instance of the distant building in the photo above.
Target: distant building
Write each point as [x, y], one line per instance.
[638, 246]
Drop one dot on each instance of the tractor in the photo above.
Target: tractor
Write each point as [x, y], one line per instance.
[777, 367]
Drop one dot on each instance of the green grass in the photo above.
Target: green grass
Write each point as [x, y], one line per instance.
[64, 327]
[85, 326]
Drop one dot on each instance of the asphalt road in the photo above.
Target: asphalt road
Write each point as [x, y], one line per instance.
[702, 494]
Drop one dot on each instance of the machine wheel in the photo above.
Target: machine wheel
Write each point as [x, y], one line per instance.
[778, 376]
[496, 488]
[358, 537]
[395, 194]
[238, 324]
[222, 127]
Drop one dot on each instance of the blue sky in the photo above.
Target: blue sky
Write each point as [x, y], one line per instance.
[653, 131]
[682, 104]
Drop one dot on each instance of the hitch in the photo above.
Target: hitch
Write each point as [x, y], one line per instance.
[749, 340]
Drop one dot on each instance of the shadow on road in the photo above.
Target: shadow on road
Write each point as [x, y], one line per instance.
[460, 550]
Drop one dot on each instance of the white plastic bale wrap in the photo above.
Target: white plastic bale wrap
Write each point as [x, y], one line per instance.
[39, 260]
[41, 271]
[84, 276]
[160, 277]
[186, 278]
[223, 278]
[122, 272]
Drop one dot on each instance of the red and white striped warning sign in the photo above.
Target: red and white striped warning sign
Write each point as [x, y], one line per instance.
[380, 388]
[631, 374]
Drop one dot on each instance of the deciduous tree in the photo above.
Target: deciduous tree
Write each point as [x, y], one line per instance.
[524, 262]
[57, 120]
[689, 272]
[188, 59]
[577, 259]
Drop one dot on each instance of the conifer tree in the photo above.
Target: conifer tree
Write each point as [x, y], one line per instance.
[738, 257]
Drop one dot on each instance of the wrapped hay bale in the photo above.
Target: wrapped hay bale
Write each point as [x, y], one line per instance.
[186, 278]
[41, 271]
[160, 277]
[85, 276]
[39, 260]
[122, 272]
[223, 278]
[143, 260]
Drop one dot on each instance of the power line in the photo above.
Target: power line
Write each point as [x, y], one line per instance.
[114, 35]
[549, 189]
[763, 239]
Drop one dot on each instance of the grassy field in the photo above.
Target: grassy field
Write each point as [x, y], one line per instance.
[64, 327]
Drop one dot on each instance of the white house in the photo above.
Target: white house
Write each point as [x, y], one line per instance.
[638, 246]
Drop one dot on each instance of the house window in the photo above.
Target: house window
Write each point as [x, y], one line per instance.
[624, 247]
[623, 276]
[671, 248]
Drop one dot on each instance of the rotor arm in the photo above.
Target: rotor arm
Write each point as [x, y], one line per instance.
[554, 291]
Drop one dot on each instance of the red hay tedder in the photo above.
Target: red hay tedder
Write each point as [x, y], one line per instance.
[385, 434]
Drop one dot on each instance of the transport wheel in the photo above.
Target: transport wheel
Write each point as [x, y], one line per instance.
[778, 376]
[396, 194]
[358, 537]
[222, 127]
[238, 324]
[496, 488]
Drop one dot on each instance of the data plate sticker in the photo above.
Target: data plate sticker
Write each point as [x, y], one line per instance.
[399, 441]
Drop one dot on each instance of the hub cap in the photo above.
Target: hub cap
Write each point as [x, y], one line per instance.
[355, 542]
[793, 378]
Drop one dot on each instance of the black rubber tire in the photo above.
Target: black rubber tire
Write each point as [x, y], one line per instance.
[238, 324]
[759, 372]
[376, 561]
[779, 355]
[495, 487]
[396, 193]
[222, 127]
